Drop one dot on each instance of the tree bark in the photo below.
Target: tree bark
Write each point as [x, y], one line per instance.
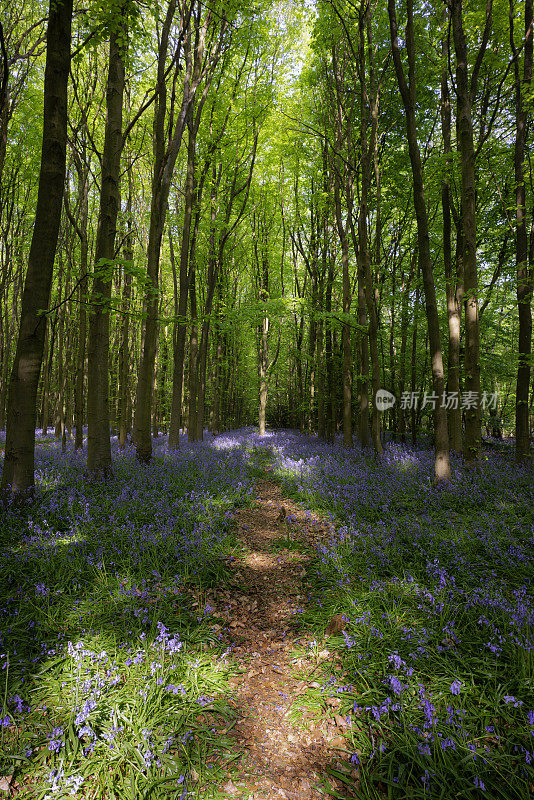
[465, 92]
[164, 163]
[179, 345]
[98, 440]
[442, 470]
[82, 313]
[346, 343]
[452, 286]
[124, 352]
[524, 278]
[363, 248]
[18, 472]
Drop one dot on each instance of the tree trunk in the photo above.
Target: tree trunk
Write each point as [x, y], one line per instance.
[453, 306]
[82, 314]
[442, 469]
[465, 91]
[164, 163]
[179, 345]
[162, 387]
[18, 473]
[193, 357]
[524, 279]
[413, 377]
[364, 255]
[404, 341]
[346, 344]
[98, 440]
[45, 409]
[263, 365]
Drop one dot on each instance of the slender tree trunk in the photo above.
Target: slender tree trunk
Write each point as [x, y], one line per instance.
[154, 403]
[124, 350]
[218, 391]
[45, 409]
[407, 89]
[465, 92]
[413, 377]
[404, 341]
[124, 360]
[162, 387]
[98, 441]
[329, 401]
[181, 331]
[364, 255]
[453, 306]
[320, 370]
[18, 472]
[263, 365]
[346, 343]
[59, 422]
[164, 163]
[312, 347]
[524, 279]
[6, 355]
[193, 357]
[82, 313]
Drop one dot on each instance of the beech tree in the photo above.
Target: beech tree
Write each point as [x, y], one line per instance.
[407, 88]
[18, 472]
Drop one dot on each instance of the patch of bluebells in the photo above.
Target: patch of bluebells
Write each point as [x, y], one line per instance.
[94, 557]
[437, 584]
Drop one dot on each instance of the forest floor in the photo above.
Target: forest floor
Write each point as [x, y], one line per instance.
[268, 617]
[283, 757]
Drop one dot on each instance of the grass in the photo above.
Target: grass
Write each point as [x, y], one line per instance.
[437, 679]
[114, 681]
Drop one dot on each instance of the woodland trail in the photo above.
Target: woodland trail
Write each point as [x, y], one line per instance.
[283, 758]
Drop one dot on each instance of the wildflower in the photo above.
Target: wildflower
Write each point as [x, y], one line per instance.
[478, 783]
[508, 698]
[456, 686]
[55, 740]
[396, 684]
[204, 701]
[448, 743]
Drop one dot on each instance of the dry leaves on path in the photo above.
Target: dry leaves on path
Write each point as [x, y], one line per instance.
[280, 759]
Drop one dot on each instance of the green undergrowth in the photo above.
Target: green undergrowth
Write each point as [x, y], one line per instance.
[114, 681]
[434, 670]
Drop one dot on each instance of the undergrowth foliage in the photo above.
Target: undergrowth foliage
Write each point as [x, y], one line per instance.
[436, 588]
[114, 681]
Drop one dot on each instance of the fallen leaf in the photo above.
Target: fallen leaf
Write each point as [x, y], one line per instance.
[340, 722]
[336, 625]
[333, 702]
[5, 782]
[338, 742]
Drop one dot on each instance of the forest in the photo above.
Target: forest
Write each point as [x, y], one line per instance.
[266, 399]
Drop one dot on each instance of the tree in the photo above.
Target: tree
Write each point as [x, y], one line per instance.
[523, 263]
[18, 473]
[407, 89]
[98, 440]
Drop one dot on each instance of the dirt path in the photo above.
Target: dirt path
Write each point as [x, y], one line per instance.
[281, 758]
